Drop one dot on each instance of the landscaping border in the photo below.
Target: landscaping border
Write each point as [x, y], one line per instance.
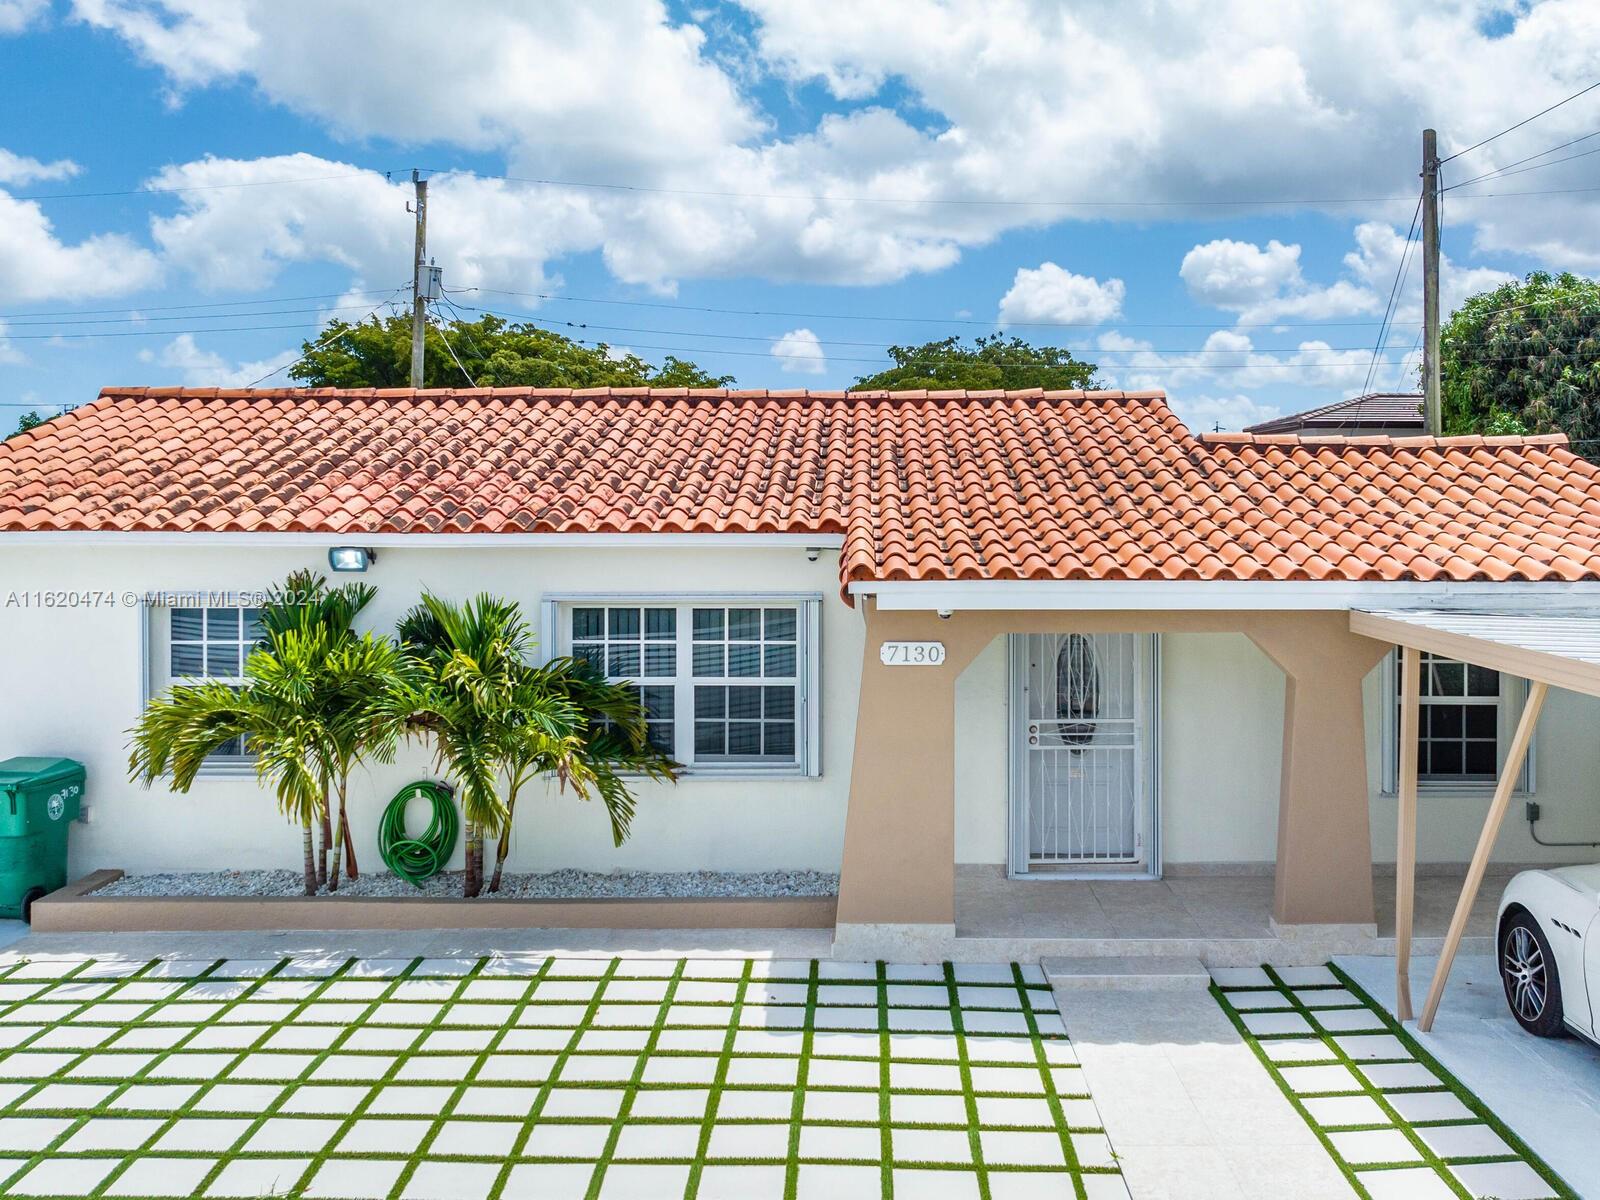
[76, 909]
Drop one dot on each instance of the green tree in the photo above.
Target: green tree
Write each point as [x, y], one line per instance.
[494, 352]
[495, 717]
[1525, 358]
[27, 421]
[991, 362]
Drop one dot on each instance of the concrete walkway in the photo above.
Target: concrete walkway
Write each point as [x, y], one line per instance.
[1188, 1108]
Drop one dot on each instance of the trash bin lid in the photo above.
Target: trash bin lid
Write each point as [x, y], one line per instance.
[36, 772]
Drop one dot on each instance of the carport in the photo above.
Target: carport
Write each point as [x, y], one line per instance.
[1548, 650]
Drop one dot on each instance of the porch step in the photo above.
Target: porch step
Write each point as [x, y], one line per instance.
[1156, 973]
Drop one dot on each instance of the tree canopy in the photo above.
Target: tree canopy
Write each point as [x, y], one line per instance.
[990, 362]
[27, 421]
[1525, 358]
[494, 352]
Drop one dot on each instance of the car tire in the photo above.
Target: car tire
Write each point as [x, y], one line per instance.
[1528, 972]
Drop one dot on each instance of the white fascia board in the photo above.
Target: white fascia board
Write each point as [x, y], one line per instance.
[1196, 595]
[476, 541]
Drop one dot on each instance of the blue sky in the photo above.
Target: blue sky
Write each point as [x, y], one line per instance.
[1191, 198]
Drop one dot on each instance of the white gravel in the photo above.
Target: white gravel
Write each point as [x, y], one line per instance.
[548, 885]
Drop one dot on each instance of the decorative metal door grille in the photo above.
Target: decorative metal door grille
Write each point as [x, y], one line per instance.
[1083, 748]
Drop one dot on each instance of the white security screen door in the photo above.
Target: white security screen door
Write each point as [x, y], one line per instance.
[1082, 767]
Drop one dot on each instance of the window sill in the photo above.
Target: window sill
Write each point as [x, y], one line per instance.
[1456, 790]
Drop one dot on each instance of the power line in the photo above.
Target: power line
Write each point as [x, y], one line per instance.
[1520, 161]
[953, 201]
[159, 190]
[80, 312]
[445, 338]
[1521, 123]
[1505, 173]
[332, 337]
[1394, 291]
[227, 316]
[914, 320]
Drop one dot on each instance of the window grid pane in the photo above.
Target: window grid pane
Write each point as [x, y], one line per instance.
[1458, 737]
[212, 645]
[737, 666]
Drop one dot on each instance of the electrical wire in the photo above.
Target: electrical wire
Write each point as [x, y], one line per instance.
[1394, 291]
[445, 338]
[332, 337]
[914, 320]
[1520, 161]
[158, 190]
[1521, 123]
[82, 312]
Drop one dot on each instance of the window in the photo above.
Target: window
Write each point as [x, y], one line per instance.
[725, 684]
[205, 645]
[1464, 716]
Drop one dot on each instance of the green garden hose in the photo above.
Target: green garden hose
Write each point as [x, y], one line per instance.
[415, 859]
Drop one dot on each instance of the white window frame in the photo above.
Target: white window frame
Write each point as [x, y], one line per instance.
[1513, 695]
[155, 654]
[555, 639]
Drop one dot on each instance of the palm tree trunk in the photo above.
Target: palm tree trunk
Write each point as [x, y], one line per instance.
[351, 870]
[504, 848]
[472, 876]
[338, 844]
[311, 858]
[327, 839]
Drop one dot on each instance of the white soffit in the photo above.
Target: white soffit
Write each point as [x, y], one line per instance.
[1174, 595]
[1560, 649]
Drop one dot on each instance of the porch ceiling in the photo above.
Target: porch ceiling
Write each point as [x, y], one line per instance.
[1562, 650]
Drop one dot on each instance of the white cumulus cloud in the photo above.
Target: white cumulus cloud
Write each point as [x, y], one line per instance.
[800, 352]
[20, 169]
[206, 368]
[1052, 294]
[16, 16]
[36, 264]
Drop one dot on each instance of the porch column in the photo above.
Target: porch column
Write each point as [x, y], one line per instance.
[1324, 868]
[899, 842]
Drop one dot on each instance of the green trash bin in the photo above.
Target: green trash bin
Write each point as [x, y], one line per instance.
[39, 797]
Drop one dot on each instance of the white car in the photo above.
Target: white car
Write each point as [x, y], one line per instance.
[1549, 950]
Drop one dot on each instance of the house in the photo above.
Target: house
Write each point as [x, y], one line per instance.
[939, 642]
[1398, 414]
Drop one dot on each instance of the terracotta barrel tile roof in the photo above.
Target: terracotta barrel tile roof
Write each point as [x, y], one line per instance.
[922, 485]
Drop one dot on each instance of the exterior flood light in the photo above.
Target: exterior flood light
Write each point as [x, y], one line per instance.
[351, 558]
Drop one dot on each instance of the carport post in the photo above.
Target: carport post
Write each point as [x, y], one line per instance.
[1405, 845]
[1480, 857]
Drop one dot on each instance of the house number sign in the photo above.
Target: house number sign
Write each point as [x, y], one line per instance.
[911, 654]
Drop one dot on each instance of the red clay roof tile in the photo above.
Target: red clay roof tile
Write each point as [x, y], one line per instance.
[923, 485]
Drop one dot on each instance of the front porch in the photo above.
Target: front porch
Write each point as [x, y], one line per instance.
[1223, 920]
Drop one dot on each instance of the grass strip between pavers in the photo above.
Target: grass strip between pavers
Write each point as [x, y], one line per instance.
[1363, 1087]
[1457, 1088]
[297, 1027]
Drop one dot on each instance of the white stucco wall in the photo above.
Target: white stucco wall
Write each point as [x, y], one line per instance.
[74, 686]
[1221, 750]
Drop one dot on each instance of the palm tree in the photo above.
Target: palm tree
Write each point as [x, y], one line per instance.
[493, 714]
[595, 733]
[272, 713]
[305, 600]
[317, 700]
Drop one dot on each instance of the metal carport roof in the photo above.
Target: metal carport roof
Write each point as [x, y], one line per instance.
[1561, 649]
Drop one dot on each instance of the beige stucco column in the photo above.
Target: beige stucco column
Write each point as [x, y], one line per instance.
[899, 843]
[1324, 870]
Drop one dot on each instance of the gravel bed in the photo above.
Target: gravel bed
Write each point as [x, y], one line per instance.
[548, 885]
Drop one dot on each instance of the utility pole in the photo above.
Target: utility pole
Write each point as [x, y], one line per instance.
[1431, 421]
[418, 291]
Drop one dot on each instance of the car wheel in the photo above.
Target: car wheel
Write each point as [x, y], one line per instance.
[1528, 971]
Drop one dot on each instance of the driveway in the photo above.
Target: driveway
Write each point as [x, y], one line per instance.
[540, 1076]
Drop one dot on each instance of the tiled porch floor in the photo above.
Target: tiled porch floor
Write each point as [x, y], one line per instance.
[1203, 906]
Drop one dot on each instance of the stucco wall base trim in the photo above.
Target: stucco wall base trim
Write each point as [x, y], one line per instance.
[76, 909]
[868, 942]
[1320, 931]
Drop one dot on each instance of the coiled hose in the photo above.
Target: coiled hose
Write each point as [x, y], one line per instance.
[415, 859]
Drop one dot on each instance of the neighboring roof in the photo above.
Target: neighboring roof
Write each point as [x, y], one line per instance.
[1562, 649]
[1375, 412]
[922, 485]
